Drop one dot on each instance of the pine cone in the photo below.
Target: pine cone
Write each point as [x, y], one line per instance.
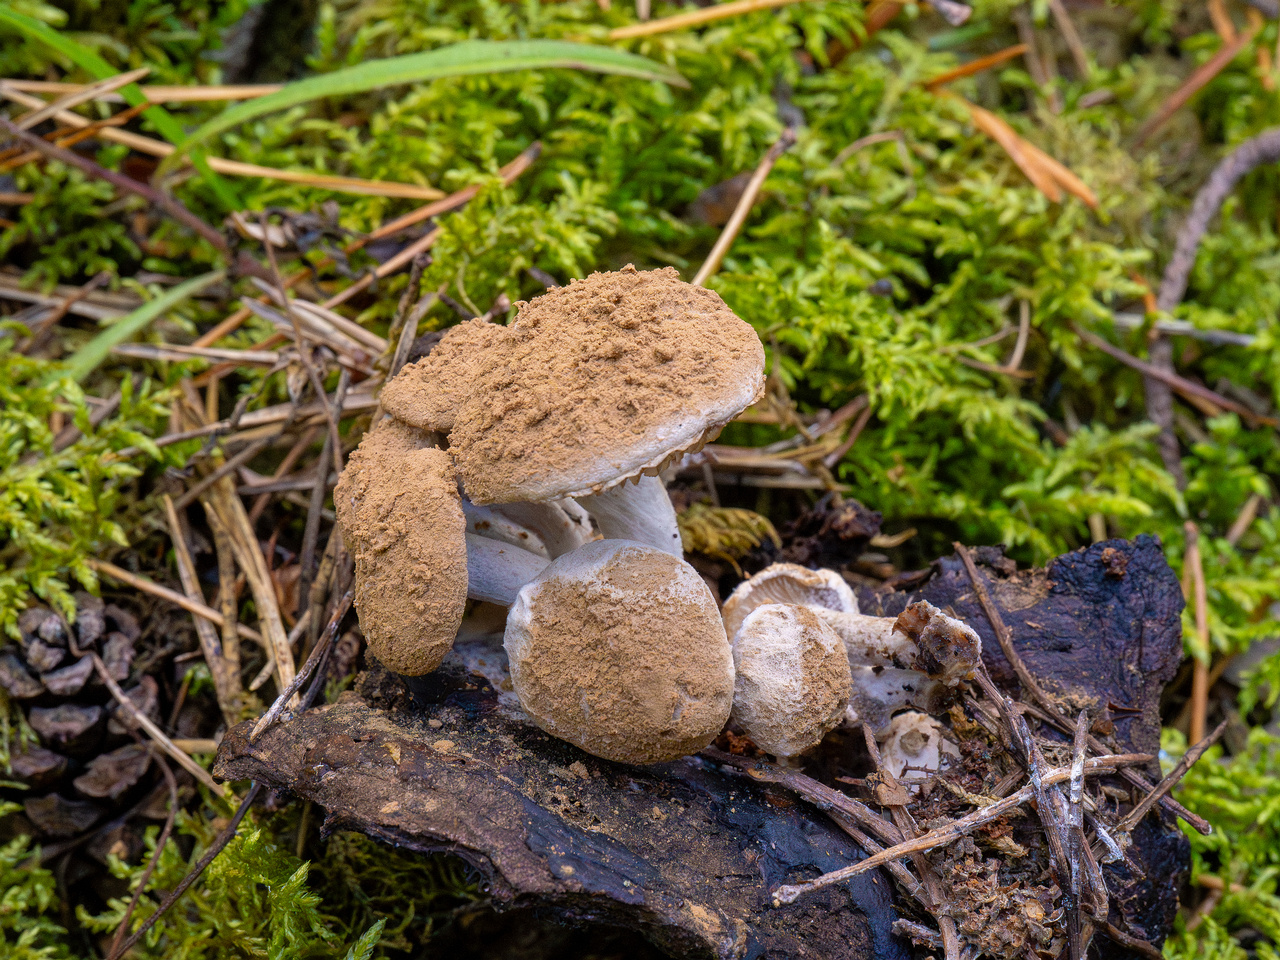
[88, 776]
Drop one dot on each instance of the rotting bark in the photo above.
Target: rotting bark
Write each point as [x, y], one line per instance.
[683, 853]
[1100, 627]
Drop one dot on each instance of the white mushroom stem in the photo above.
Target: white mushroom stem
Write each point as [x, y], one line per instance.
[562, 526]
[639, 511]
[493, 524]
[496, 571]
[872, 641]
[877, 692]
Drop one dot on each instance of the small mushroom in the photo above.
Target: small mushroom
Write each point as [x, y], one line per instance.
[595, 387]
[914, 747]
[619, 649]
[400, 511]
[787, 583]
[879, 692]
[397, 503]
[793, 679]
[427, 394]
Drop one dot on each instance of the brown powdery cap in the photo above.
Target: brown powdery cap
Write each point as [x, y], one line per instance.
[618, 648]
[428, 393]
[793, 678]
[602, 381]
[398, 505]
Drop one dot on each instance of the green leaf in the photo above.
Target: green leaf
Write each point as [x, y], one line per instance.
[99, 69]
[460, 59]
[85, 360]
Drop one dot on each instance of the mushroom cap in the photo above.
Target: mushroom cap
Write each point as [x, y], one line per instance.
[427, 394]
[601, 381]
[914, 747]
[787, 583]
[618, 648]
[398, 505]
[793, 679]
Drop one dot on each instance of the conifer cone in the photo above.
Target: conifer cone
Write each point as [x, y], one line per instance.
[87, 782]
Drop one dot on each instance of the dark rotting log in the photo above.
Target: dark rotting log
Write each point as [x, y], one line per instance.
[1099, 627]
[680, 852]
[686, 854]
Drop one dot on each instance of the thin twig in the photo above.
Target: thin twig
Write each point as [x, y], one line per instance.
[194, 492]
[940, 836]
[164, 593]
[745, 202]
[1132, 818]
[163, 201]
[318, 653]
[1244, 519]
[162, 741]
[215, 848]
[1182, 385]
[1072, 38]
[1003, 636]
[143, 880]
[311, 532]
[1199, 668]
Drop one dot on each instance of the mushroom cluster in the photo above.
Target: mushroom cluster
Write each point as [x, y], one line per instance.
[508, 451]
[520, 466]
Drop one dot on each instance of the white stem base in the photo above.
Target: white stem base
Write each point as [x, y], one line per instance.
[496, 571]
[637, 511]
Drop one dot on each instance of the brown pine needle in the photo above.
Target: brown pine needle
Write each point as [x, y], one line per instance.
[155, 93]
[155, 148]
[1062, 175]
[1003, 134]
[1194, 83]
[164, 593]
[1200, 668]
[69, 100]
[743, 209]
[696, 18]
[976, 66]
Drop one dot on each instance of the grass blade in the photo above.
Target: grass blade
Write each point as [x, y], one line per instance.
[85, 360]
[460, 59]
[99, 69]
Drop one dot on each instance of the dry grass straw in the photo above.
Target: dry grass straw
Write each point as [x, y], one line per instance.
[696, 18]
[223, 662]
[164, 593]
[157, 148]
[222, 502]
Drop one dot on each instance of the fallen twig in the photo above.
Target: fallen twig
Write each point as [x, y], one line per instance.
[162, 741]
[745, 202]
[114, 950]
[163, 201]
[1168, 783]
[164, 593]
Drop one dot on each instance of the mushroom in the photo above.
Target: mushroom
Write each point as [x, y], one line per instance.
[426, 394]
[879, 692]
[787, 583]
[949, 650]
[397, 504]
[618, 648]
[914, 748]
[595, 387]
[399, 509]
[547, 529]
[793, 679]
